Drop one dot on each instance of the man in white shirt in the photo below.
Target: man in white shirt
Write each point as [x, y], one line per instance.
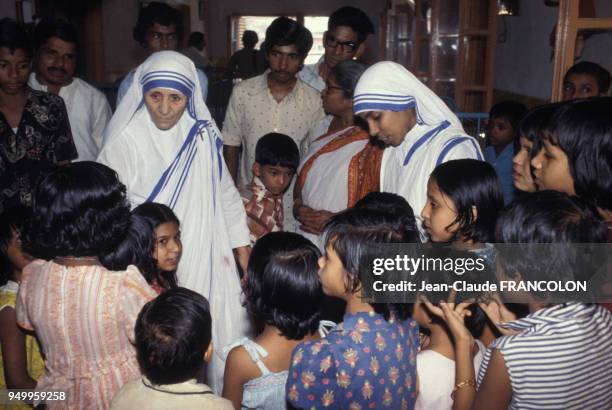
[276, 101]
[54, 67]
[159, 27]
[347, 30]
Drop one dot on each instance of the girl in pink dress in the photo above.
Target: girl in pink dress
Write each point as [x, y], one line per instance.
[82, 313]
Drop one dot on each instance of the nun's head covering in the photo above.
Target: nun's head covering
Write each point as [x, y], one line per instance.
[388, 86]
[163, 69]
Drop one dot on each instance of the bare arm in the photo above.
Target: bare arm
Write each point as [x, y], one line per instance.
[14, 359]
[231, 154]
[234, 377]
[495, 392]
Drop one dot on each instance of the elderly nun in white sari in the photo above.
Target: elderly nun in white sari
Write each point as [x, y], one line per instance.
[420, 130]
[165, 147]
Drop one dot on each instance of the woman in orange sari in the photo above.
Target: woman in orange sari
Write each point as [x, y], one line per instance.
[342, 165]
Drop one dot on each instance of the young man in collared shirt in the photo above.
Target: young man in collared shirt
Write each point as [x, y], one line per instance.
[347, 30]
[54, 68]
[276, 101]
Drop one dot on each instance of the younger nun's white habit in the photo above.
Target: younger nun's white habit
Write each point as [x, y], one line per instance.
[182, 167]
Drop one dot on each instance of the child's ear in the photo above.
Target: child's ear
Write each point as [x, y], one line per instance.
[256, 169]
[474, 213]
[209, 352]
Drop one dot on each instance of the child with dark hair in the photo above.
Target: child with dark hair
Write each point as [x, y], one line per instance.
[575, 155]
[83, 314]
[558, 356]
[362, 362]
[152, 243]
[533, 125]
[20, 361]
[585, 79]
[173, 340]
[436, 360]
[276, 160]
[283, 296]
[464, 198]
[503, 131]
[167, 247]
[389, 203]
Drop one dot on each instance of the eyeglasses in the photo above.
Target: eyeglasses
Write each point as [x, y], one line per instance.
[347, 46]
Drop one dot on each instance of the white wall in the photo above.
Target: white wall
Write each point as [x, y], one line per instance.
[523, 63]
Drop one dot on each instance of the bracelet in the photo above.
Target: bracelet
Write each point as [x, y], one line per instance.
[460, 385]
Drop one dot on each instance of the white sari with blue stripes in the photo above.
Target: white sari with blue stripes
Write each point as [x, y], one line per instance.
[183, 168]
[437, 137]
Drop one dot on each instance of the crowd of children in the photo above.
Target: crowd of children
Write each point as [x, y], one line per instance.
[90, 287]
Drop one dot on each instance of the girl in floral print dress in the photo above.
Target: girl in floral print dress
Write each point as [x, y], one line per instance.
[369, 361]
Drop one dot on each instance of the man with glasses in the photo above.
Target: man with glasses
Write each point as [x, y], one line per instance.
[347, 30]
[159, 27]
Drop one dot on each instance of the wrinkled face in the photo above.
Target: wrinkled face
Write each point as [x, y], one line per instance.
[159, 38]
[334, 100]
[165, 106]
[14, 71]
[551, 169]
[341, 44]
[500, 132]
[580, 86]
[331, 273]
[168, 246]
[56, 62]
[439, 214]
[285, 62]
[390, 127]
[275, 178]
[521, 167]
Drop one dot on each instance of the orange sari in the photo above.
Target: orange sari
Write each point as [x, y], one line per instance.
[363, 169]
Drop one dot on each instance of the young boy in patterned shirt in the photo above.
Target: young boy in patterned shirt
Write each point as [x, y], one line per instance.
[276, 160]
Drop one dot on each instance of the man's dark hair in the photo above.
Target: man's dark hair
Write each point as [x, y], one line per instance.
[173, 333]
[159, 13]
[277, 150]
[80, 209]
[249, 38]
[14, 37]
[593, 69]
[53, 27]
[282, 288]
[354, 18]
[284, 31]
[583, 130]
[196, 39]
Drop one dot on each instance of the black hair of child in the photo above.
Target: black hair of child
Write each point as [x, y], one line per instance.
[601, 75]
[157, 214]
[354, 18]
[353, 232]
[14, 37]
[282, 288]
[547, 217]
[536, 123]
[284, 31]
[277, 150]
[80, 209]
[513, 111]
[12, 222]
[160, 13]
[173, 332]
[135, 249]
[392, 204]
[583, 130]
[471, 183]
